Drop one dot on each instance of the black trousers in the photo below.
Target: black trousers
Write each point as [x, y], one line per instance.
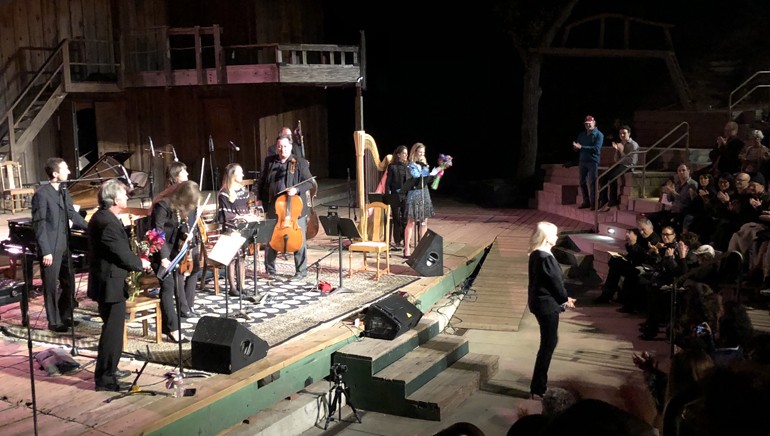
[58, 302]
[167, 303]
[614, 198]
[549, 337]
[110, 342]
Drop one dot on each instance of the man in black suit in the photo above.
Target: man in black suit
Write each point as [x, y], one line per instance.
[279, 172]
[110, 260]
[52, 213]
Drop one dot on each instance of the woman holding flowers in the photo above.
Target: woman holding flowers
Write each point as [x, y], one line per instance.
[173, 213]
[419, 206]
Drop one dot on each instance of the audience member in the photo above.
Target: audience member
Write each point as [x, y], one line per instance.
[589, 147]
[625, 158]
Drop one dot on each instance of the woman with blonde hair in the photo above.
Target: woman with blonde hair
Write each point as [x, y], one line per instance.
[754, 154]
[419, 206]
[233, 200]
[547, 298]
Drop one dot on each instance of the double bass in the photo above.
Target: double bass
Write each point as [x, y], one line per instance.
[287, 235]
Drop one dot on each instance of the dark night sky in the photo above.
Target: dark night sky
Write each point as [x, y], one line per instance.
[452, 80]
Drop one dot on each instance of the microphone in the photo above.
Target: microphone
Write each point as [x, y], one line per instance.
[235, 147]
[176, 159]
[152, 148]
[211, 144]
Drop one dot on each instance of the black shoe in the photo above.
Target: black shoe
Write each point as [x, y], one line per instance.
[193, 314]
[186, 314]
[58, 328]
[70, 323]
[584, 206]
[114, 387]
[234, 293]
[122, 374]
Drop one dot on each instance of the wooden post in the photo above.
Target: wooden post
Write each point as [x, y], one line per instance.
[219, 56]
[167, 58]
[198, 55]
[66, 70]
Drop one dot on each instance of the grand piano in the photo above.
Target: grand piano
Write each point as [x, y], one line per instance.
[84, 194]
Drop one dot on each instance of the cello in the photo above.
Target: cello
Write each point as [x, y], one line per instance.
[287, 235]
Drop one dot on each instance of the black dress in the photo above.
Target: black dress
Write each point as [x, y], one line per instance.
[397, 173]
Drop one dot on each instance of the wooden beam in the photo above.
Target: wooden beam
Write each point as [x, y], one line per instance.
[602, 52]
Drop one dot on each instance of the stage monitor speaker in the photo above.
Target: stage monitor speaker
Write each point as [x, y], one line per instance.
[224, 346]
[390, 317]
[428, 257]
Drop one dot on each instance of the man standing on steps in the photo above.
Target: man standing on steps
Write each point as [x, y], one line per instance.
[588, 146]
[626, 157]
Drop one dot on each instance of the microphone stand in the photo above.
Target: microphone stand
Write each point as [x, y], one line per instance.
[351, 200]
[212, 165]
[172, 269]
[25, 315]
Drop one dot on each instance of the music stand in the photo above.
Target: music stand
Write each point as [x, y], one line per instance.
[335, 226]
[222, 254]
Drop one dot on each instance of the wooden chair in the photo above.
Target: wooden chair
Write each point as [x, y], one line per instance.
[212, 234]
[13, 190]
[376, 234]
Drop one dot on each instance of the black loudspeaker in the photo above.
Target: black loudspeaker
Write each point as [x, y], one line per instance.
[428, 257]
[390, 317]
[224, 346]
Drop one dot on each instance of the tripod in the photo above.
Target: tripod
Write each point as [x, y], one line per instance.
[336, 393]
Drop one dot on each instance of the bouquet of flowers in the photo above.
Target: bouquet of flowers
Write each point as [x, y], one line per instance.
[152, 243]
[444, 162]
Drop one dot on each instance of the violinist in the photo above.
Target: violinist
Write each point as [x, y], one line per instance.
[173, 212]
[176, 172]
[233, 200]
[285, 171]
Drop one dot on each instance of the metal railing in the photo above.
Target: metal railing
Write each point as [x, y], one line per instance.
[732, 104]
[644, 156]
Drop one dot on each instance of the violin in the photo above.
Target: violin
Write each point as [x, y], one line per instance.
[287, 235]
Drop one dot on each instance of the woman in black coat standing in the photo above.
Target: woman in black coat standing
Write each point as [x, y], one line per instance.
[547, 298]
[397, 173]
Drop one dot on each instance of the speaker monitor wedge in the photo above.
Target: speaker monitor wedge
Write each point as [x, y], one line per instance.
[223, 345]
[428, 257]
[391, 317]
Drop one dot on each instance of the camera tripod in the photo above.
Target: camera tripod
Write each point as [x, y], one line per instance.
[336, 393]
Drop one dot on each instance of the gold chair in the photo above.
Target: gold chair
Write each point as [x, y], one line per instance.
[13, 190]
[376, 235]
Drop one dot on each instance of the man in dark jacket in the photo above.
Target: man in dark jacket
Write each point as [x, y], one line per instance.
[52, 212]
[285, 172]
[110, 260]
[589, 148]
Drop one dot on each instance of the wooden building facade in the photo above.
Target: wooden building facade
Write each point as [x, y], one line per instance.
[86, 77]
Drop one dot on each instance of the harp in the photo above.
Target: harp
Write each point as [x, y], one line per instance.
[369, 169]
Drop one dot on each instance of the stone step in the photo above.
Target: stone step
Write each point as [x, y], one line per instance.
[441, 396]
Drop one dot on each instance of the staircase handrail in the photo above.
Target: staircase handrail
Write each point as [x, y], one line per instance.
[8, 119]
[732, 104]
[647, 162]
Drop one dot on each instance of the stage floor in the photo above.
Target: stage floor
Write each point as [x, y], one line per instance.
[466, 229]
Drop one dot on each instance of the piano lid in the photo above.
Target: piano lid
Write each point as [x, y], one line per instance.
[109, 166]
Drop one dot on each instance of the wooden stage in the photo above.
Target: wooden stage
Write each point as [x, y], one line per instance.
[68, 404]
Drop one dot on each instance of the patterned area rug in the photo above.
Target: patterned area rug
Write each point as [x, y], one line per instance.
[281, 310]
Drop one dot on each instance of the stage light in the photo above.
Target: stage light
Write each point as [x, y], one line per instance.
[611, 231]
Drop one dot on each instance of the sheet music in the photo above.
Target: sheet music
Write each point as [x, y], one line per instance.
[226, 247]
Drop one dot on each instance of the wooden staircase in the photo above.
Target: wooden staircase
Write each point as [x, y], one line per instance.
[421, 374]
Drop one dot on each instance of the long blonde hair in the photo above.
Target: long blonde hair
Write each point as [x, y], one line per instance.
[540, 235]
[413, 153]
[229, 184]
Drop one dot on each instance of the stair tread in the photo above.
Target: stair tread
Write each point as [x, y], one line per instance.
[414, 363]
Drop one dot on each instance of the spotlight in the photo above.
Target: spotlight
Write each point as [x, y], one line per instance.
[611, 231]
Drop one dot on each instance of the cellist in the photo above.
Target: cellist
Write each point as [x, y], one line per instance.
[279, 172]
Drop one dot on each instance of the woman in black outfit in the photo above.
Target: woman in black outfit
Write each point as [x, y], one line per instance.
[397, 172]
[547, 298]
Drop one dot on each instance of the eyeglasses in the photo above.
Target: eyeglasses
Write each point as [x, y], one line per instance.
[667, 234]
